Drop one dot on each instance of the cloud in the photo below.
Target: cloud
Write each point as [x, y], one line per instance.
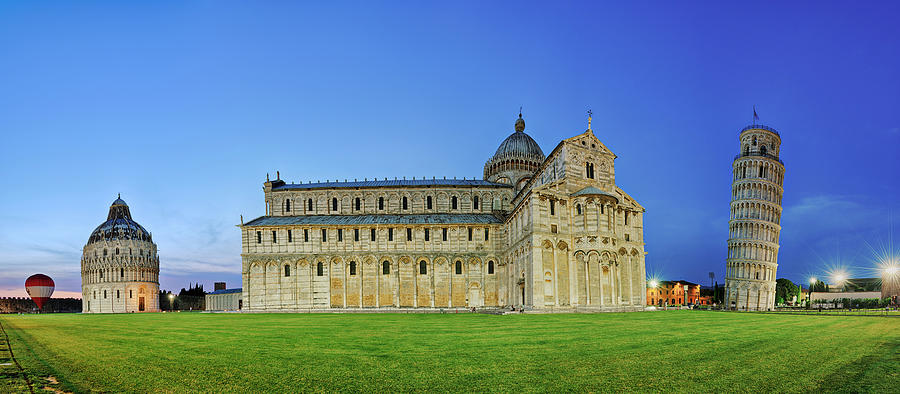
[816, 204]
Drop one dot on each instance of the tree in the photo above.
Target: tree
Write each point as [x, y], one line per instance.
[819, 287]
[192, 290]
[785, 290]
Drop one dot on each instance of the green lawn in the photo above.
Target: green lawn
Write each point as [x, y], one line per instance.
[683, 351]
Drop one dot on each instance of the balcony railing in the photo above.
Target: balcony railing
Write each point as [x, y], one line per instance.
[758, 154]
[761, 127]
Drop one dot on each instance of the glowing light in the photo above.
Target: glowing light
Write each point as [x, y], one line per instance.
[890, 269]
[813, 280]
[654, 283]
[839, 276]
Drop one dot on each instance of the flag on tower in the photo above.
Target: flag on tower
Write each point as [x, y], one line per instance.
[755, 116]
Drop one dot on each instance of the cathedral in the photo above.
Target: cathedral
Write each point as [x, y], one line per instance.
[120, 266]
[540, 232]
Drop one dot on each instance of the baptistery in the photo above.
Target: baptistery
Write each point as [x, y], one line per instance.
[120, 266]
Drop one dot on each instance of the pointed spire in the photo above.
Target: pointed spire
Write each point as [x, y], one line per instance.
[590, 115]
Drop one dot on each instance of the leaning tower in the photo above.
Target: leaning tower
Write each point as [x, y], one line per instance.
[754, 225]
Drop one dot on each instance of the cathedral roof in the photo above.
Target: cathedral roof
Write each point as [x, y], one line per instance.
[590, 190]
[226, 291]
[119, 225]
[434, 218]
[390, 183]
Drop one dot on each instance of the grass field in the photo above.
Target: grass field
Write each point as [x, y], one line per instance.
[685, 351]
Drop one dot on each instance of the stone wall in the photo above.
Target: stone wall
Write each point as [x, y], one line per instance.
[27, 305]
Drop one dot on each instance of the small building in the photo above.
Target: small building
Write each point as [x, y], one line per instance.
[225, 300]
[853, 289]
[669, 292]
[830, 299]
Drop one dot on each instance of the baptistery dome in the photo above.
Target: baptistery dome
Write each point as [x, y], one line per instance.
[120, 266]
[516, 160]
[119, 225]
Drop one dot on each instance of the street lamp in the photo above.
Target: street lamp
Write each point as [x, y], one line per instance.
[890, 271]
[654, 284]
[171, 301]
[839, 277]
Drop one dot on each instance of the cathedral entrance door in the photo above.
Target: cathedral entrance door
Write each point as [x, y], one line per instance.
[140, 304]
[475, 296]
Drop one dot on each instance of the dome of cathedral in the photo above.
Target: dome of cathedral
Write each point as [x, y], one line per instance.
[517, 157]
[119, 226]
[519, 145]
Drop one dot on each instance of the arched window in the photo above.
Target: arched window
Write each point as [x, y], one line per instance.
[763, 149]
[352, 268]
[578, 209]
[117, 251]
[405, 206]
[459, 267]
[121, 272]
[309, 205]
[587, 170]
[428, 202]
[104, 252]
[385, 268]
[357, 203]
[319, 269]
[287, 205]
[380, 203]
[287, 270]
[490, 267]
[453, 202]
[423, 267]
[475, 202]
[746, 150]
[334, 204]
[754, 140]
[552, 207]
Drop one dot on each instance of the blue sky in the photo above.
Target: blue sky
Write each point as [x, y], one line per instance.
[183, 107]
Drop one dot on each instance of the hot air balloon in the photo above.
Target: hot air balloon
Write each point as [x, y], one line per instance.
[39, 287]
